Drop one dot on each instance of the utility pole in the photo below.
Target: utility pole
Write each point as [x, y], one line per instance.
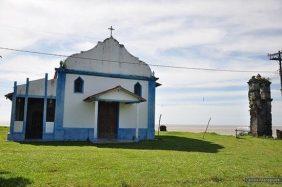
[159, 124]
[206, 128]
[277, 57]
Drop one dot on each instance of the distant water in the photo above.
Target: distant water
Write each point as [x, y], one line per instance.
[219, 129]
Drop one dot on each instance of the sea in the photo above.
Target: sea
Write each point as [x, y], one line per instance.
[219, 129]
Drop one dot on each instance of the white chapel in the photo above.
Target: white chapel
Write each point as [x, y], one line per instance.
[102, 93]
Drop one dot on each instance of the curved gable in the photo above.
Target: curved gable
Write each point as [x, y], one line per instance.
[108, 57]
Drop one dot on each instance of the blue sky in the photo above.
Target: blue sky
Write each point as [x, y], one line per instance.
[208, 34]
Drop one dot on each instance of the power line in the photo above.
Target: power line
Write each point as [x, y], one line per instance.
[154, 65]
[211, 69]
[61, 55]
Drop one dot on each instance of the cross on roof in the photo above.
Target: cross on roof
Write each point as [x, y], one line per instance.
[111, 30]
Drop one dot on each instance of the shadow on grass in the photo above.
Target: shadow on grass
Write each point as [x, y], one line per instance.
[6, 181]
[58, 143]
[174, 143]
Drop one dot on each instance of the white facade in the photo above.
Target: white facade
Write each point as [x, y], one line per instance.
[93, 85]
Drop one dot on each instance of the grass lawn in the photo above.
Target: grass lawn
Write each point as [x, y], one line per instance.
[177, 159]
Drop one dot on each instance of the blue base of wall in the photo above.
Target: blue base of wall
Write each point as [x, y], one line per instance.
[126, 134]
[48, 136]
[130, 134]
[78, 134]
[82, 134]
[16, 137]
[143, 134]
[59, 134]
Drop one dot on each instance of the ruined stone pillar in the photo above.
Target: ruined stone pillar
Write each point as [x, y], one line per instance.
[260, 106]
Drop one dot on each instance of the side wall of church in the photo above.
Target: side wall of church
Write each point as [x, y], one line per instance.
[36, 88]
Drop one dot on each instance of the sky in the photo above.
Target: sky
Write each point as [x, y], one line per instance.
[206, 34]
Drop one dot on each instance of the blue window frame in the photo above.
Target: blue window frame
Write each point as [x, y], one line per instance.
[138, 89]
[78, 85]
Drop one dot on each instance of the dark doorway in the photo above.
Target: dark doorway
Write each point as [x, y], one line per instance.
[34, 121]
[108, 120]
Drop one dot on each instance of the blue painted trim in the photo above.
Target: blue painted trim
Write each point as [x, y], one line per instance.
[69, 134]
[142, 133]
[78, 134]
[25, 105]
[87, 134]
[130, 133]
[151, 110]
[13, 112]
[18, 137]
[45, 104]
[122, 76]
[126, 133]
[37, 96]
[59, 111]
[48, 136]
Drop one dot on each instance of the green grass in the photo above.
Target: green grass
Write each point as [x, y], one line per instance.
[176, 159]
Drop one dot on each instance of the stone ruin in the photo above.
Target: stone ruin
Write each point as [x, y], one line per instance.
[260, 106]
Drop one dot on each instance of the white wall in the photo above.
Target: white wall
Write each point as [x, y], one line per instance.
[37, 87]
[128, 117]
[52, 86]
[80, 114]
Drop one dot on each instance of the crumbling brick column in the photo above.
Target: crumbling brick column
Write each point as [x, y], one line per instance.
[260, 106]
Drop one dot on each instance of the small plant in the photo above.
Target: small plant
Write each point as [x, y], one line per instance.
[63, 64]
[279, 134]
[163, 128]
[124, 184]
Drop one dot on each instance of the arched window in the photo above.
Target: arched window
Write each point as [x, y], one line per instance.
[78, 85]
[138, 89]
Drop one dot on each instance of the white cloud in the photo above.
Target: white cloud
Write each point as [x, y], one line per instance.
[21, 67]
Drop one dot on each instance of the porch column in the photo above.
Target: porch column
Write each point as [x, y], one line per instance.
[96, 120]
[13, 112]
[60, 102]
[45, 104]
[137, 122]
[25, 105]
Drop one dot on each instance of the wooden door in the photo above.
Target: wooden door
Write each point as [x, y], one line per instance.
[107, 120]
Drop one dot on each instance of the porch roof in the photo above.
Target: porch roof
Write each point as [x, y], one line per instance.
[9, 95]
[116, 94]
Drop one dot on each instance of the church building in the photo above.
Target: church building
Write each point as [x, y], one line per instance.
[104, 93]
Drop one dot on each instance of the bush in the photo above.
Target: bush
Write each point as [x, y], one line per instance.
[279, 134]
[162, 128]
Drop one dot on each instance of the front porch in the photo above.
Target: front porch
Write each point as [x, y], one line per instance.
[107, 114]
